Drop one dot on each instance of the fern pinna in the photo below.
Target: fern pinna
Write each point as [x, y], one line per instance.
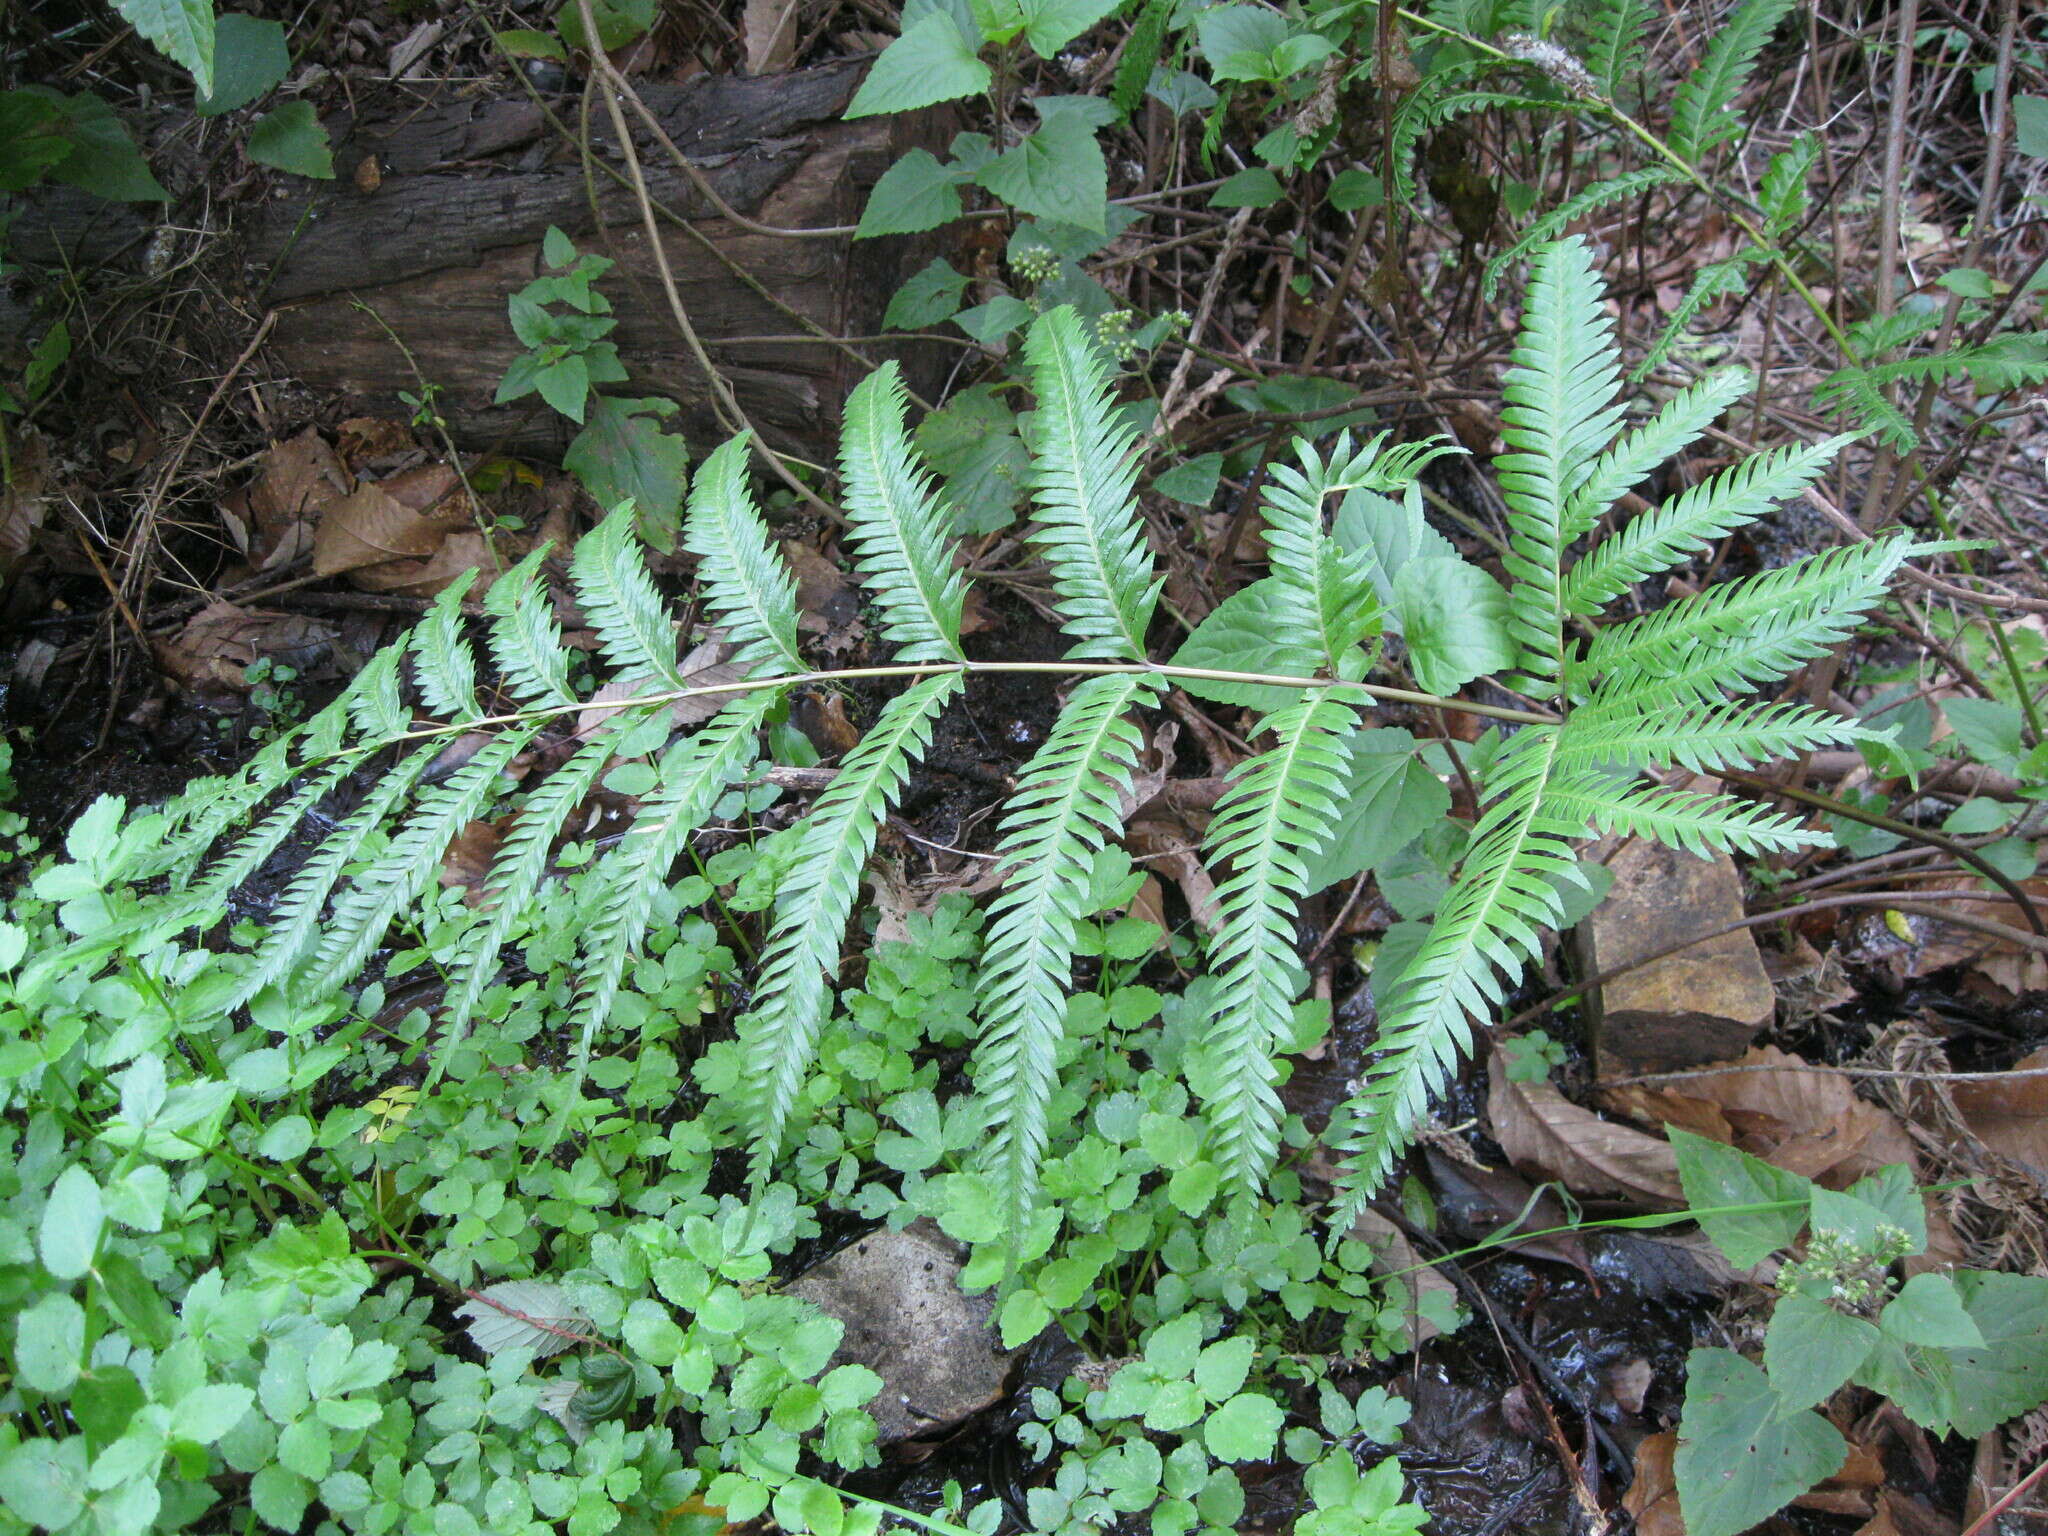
[1613, 708]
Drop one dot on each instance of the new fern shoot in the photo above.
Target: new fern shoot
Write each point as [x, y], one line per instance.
[1611, 709]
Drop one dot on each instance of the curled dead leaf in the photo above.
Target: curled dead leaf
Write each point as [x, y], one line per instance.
[1394, 1255]
[217, 645]
[1653, 1497]
[272, 520]
[2010, 1117]
[1547, 1136]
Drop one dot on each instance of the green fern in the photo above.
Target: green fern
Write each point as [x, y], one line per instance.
[1669, 690]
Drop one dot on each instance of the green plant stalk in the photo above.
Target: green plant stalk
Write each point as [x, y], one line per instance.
[827, 678]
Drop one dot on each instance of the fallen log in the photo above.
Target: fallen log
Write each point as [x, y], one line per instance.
[436, 215]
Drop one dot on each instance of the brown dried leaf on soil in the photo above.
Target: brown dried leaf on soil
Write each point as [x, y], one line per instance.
[272, 519]
[371, 526]
[470, 855]
[1547, 1136]
[770, 30]
[2010, 1117]
[1935, 946]
[22, 509]
[706, 666]
[1806, 1121]
[217, 645]
[1653, 1497]
[828, 604]
[368, 443]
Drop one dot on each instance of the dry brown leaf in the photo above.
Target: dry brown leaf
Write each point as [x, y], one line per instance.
[218, 644]
[770, 29]
[471, 852]
[1808, 1122]
[366, 442]
[828, 605]
[1173, 848]
[2011, 1118]
[22, 508]
[459, 553]
[1547, 1136]
[822, 717]
[1653, 1497]
[370, 526]
[273, 518]
[1935, 945]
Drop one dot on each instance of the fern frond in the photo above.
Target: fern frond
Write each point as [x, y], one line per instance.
[294, 928]
[1716, 280]
[441, 658]
[745, 582]
[617, 596]
[1682, 819]
[1858, 393]
[1559, 413]
[1614, 190]
[1781, 196]
[1735, 637]
[897, 524]
[1739, 735]
[1323, 592]
[1064, 809]
[1084, 482]
[516, 873]
[526, 640]
[1277, 813]
[1421, 111]
[1702, 108]
[1614, 47]
[1629, 462]
[689, 780]
[409, 861]
[1691, 521]
[1490, 923]
[779, 1039]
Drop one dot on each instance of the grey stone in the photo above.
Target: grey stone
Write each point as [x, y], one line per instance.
[1702, 1004]
[898, 1294]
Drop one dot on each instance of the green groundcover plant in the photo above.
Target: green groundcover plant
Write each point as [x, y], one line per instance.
[255, 1162]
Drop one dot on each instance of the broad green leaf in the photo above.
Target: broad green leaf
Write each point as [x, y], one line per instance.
[2030, 124]
[1238, 40]
[1252, 187]
[1892, 1191]
[103, 159]
[1192, 482]
[1050, 25]
[930, 296]
[1919, 1381]
[2008, 1375]
[1994, 733]
[916, 193]
[523, 43]
[999, 317]
[1855, 1221]
[249, 57]
[1173, 1347]
[182, 31]
[205, 1415]
[623, 455]
[31, 138]
[291, 139]
[1454, 618]
[1246, 1428]
[972, 441]
[1741, 1456]
[1056, 172]
[1223, 1367]
[1244, 634]
[1929, 1311]
[1393, 532]
[1024, 1316]
[1391, 799]
[71, 1224]
[105, 1399]
[931, 62]
[43, 1481]
[1714, 1175]
[1355, 189]
[619, 22]
[49, 1344]
[1810, 1349]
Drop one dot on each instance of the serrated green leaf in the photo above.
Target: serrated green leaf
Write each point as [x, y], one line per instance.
[1049, 25]
[49, 1344]
[1454, 618]
[1810, 1349]
[1243, 634]
[916, 193]
[1055, 172]
[71, 1224]
[1391, 799]
[1929, 1311]
[1714, 1175]
[928, 297]
[182, 31]
[2008, 1374]
[1741, 1456]
[1246, 1428]
[931, 62]
[291, 139]
[249, 58]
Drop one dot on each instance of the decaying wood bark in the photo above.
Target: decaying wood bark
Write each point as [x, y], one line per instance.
[464, 189]
[436, 215]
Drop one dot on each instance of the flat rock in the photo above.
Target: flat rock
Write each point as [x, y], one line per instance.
[1704, 1003]
[898, 1293]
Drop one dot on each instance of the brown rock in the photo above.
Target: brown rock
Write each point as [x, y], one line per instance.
[1701, 1004]
[898, 1293]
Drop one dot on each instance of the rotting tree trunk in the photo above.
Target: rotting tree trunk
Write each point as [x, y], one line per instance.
[445, 221]
[465, 188]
